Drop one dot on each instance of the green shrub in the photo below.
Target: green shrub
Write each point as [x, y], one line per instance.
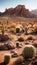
[17, 30]
[17, 44]
[21, 39]
[20, 58]
[19, 61]
[6, 59]
[29, 52]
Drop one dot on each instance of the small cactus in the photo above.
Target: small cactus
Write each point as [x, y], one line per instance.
[29, 52]
[26, 30]
[6, 58]
[17, 30]
[3, 30]
[17, 44]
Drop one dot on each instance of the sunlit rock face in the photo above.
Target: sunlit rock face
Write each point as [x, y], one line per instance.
[19, 11]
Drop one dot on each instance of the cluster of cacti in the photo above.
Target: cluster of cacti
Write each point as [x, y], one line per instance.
[29, 51]
[7, 58]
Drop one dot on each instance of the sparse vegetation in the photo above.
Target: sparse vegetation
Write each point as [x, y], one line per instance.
[14, 39]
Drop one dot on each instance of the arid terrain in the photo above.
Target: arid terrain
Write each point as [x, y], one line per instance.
[29, 35]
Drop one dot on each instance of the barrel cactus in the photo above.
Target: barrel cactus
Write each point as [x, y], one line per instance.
[29, 51]
[17, 30]
[17, 44]
[6, 58]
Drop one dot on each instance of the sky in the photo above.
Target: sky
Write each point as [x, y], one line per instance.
[30, 4]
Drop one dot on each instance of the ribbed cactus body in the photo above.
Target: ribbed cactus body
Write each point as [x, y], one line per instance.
[6, 59]
[29, 51]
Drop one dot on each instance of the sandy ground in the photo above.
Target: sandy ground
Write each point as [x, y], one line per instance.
[15, 21]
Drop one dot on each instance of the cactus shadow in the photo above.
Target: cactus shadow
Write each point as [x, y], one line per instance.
[3, 63]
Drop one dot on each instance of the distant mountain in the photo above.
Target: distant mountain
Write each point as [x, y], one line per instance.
[19, 11]
[34, 12]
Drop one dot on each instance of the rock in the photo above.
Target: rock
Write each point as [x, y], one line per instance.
[35, 44]
[14, 55]
[34, 63]
[20, 46]
[3, 47]
[4, 38]
[26, 43]
[12, 51]
[35, 56]
[9, 46]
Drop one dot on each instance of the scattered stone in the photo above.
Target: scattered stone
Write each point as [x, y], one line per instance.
[26, 43]
[34, 62]
[3, 47]
[14, 55]
[9, 46]
[12, 51]
[35, 44]
[4, 38]
[20, 46]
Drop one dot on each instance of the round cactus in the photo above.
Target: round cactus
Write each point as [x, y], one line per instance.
[20, 59]
[6, 58]
[17, 44]
[17, 30]
[29, 51]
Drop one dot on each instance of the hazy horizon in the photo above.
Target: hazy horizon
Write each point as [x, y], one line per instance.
[29, 4]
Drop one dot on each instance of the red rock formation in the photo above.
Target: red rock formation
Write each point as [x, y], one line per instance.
[19, 10]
